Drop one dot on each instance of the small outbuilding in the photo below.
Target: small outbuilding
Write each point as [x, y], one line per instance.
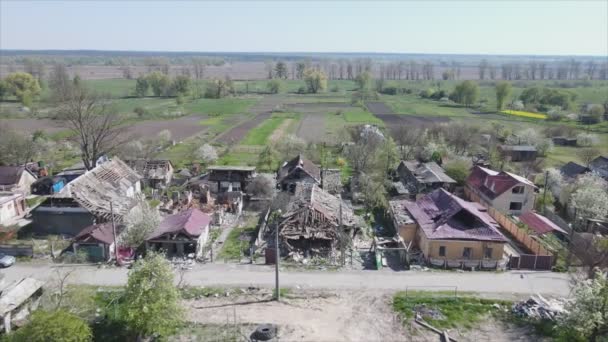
[12, 207]
[97, 241]
[540, 224]
[518, 153]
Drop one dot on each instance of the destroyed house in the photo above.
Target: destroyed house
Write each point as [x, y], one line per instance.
[156, 173]
[16, 179]
[222, 178]
[505, 191]
[448, 228]
[182, 234]
[315, 221]
[518, 153]
[423, 177]
[12, 207]
[302, 170]
[298, 170]
[87, 199]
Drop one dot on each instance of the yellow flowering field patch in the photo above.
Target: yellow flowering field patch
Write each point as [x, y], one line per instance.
[525, 114]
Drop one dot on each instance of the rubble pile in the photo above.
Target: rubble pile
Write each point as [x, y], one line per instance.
[537, 307]
[423, 311]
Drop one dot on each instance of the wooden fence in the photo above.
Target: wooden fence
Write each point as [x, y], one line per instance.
[17, 250]
[519, 234]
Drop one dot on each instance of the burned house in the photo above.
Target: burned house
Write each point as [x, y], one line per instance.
[48, 185]
[449, 231]
[315, 221]
[505, 191]
[156, 173]
[109, 189]
[70, 174]
[222, 178]
[296, 171]
[182, 234]
[423, 177]
[302, 170]
[518, 153]
[16, 179]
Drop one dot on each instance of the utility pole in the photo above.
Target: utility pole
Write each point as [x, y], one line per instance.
[341, 235]
[277, 255]
[545, 193]
[114, 233]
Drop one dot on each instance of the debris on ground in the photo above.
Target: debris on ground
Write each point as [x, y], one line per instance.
[424, 311]
[538, 307]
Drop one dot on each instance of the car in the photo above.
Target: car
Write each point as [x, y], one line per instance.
[6, 260]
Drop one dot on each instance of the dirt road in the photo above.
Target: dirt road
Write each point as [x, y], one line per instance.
[520, 283]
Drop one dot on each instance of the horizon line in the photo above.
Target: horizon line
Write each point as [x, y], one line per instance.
[308, 52]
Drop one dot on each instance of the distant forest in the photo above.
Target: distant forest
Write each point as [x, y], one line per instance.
[392, 66]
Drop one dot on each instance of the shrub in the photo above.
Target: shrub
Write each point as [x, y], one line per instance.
[59, 326]
[140, 111]
[587, 139]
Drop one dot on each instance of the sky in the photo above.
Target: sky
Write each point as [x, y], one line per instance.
[556, 27]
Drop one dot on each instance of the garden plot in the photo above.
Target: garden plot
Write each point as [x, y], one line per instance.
[238, 132]
[180, 129]
[312, 128]
[31, 125]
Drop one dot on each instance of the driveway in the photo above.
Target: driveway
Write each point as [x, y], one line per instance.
[513, 283]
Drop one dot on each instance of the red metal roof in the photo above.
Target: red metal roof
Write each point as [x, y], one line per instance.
[540, 224]
[493, 183]
[100, 232]
[190, 222]
[442, 215]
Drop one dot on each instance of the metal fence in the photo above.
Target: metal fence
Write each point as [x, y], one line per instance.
[17, 250]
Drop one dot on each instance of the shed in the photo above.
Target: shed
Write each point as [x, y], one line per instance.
[18, 300]
[540, 224]
[517, 153]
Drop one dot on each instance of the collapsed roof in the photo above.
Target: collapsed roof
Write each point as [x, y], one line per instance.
[151, 169]
[315, 214]
[443, 216]
[112, 181]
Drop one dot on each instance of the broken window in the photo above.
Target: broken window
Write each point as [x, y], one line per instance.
[487, 253]
[518, 190]
[515, 206]
[442, 251]
[466, 252]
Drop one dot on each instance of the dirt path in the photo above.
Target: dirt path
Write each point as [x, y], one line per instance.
[309, 316]
[280, 131]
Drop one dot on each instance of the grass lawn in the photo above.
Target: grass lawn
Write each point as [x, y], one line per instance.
[239, 158]
[456, 312]
[360, 116]
[224, 106]
[260, 134]
[117, 87]
[234, 246]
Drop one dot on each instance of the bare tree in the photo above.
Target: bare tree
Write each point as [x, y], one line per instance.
[94, 124]
[15, 148]
[588, 154]
[261, 186]
[59, 82]
[408, 140]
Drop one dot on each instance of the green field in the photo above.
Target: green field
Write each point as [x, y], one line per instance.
[223, 106]
[414, 105]
[260, 134]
